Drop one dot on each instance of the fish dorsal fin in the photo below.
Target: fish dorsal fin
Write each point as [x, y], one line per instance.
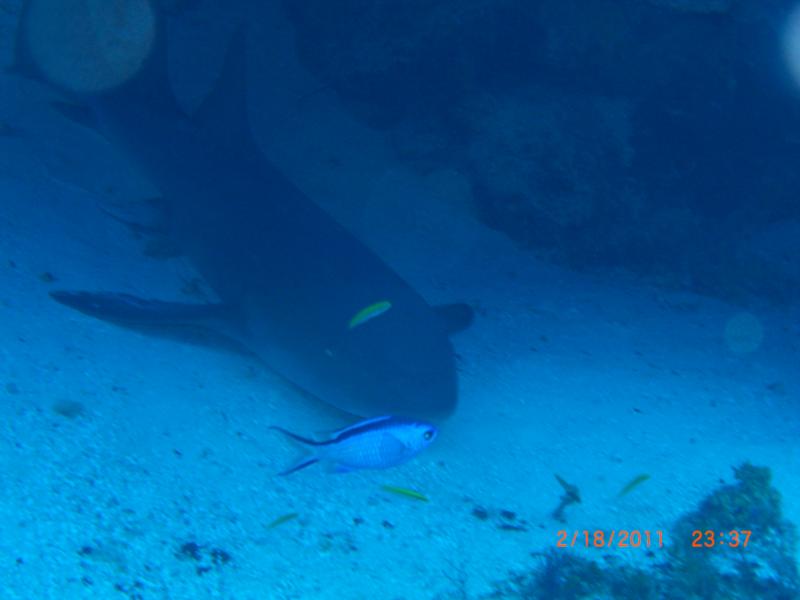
[223, 112]
[360, 426]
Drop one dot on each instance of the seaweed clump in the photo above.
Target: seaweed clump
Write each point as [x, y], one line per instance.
[765, 568]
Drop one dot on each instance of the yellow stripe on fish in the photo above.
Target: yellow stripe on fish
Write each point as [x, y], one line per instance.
[369, 312]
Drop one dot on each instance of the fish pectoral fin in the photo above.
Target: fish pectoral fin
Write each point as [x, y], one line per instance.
[393, 446]
[455, 317]
[122, 308]
[205, 324]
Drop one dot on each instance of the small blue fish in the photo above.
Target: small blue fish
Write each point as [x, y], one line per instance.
[376, 443]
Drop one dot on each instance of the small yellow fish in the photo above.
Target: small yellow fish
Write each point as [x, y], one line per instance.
[283, 519]
[633, 483]
[404, 492]
[370, 312]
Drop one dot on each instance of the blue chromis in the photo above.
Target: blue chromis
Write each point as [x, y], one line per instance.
[377, 443]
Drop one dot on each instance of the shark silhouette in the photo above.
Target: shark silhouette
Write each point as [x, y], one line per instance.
[295, 288]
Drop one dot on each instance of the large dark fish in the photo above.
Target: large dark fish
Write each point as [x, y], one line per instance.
[295, 287]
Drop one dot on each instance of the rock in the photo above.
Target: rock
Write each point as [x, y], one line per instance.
[623, 133]
[547, 157]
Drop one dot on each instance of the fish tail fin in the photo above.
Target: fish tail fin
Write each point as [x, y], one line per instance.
[302, 464]
[306, 460]
[297, 438]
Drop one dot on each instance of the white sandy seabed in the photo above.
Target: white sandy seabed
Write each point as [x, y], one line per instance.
[143, 468]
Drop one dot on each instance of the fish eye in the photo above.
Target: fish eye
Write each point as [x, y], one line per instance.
[428, 435]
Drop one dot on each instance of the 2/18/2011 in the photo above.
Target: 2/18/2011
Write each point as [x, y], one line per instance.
[599, 538]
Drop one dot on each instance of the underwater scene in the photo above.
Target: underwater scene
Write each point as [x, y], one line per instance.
[400, 299]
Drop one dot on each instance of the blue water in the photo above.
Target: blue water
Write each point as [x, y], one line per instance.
[565, 234]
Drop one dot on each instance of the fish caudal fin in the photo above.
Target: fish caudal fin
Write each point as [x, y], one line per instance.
[298, 438]
[306, 462]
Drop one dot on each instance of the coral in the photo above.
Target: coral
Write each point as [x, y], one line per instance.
[751, 503]
[548, 158]
[765, 569]
[564, 576]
